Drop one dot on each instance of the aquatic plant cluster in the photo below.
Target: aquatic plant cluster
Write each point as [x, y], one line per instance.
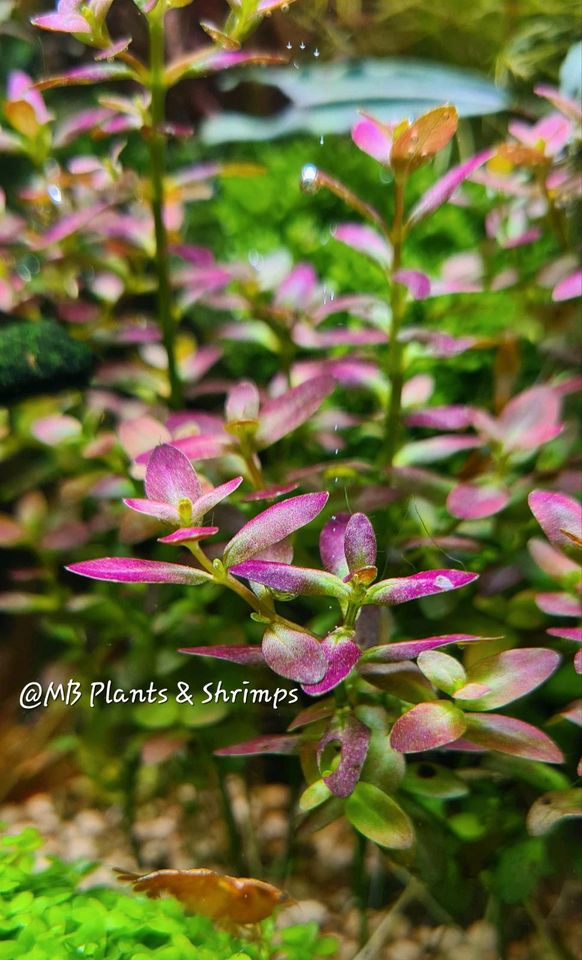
[448, 528]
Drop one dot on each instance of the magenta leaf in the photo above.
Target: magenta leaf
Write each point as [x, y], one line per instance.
[510, 675]
[130, 570]
[297, 288]
[242, 402]
[530, 419]
[341, 654]
[426, 726]
[69, 225]
[509, 735]
[285, 413]
[359, 543]
[297, 656]
[283, 744]
[186, 534]
[302, 581]
[454, 417]
[373, 138]
[568, 288]
[202, 446]
[417, 284]
[353, 738]
[434, 449]
[248, 656]
[331, 545]
[559, 604]
[90, 73]
[365, 240]
[469, 501]
[551, 561]
[273, 524]
[567, 633]
[211, 498]
[444, 188]
[558, 516]
[408, 649]
[403, 589]
[170, 477]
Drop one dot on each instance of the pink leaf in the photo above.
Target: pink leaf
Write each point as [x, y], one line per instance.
[437, 448]
[551, 561]
[470, 501]
[353, 738]
[359, 542]
[417, 284]
[285, 413]
[297, 656]
[249, 656]
[341, 654]
[373, 138]
[170, 477]
[444, 188]
[130, 570]
[297, 288]
[303, 581]
[242, 402]
[268, 744]
[426, 726]
[331, 545]
[89, 73]
[509, 735]
[202, 446]
[211, 498]
[403, 589]
[365, 240]
[510, 675]
[186, 534]
[558, 515]
[69, 225]
[559, 604]
[530, 419]
[567, 633]
[408, 649]
[453, 417]
[273, 524]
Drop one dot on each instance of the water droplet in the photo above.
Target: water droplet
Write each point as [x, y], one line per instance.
[316, 52]
[302, 46]
[255, 259]
[54, 193]
[309, 176]
[321, 140]
[289, 45]
[336, 451]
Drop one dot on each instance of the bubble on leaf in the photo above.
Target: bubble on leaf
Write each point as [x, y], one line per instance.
[443, 583]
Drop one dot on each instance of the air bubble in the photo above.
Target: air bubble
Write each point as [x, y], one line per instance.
[54, 193]
[289, 45]
[321, 140]
[309, 176]
[316, 52]
[302, 46]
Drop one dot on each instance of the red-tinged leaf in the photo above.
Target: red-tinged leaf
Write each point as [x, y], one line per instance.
[423, 139]
[403, 680]
[120, 46]
[90, 73]
[248, 656]
[202, 446]
[341, 654]
[566, 105]
[374, 138]
[417, 284]
[509, 735]
[297, 656]
[426, 726]
[425, 584]
[567, 633]
[553, 807]
[568, 288]
[530, 419]
[170, 477]
[212, 59]
[61, 22]
[559, 604]
[298, 288]
[242, 402]
[558, 516]
[131, 570]
[443, 671]
[379, 818]
[285, 413]
[359, 542]
[331, 545]
[444, 188]
[470, 501]
[69, 225]
[211, 498]
[365, 240]
[270, 493]
[471, 691]
[551, 561]
[409, 649]
[352, 737]
[189, 534]
[273, 524]
[573, 712]
[510, 675]
[302, 581]
[437, 448]
[279, 745]
[453, 417]
[313, 714]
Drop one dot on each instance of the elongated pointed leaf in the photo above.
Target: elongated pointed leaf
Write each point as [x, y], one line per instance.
[365, 240]
[273, 524]
[279, 745]
[288, 579]
[426, 726]
[341, 654]
[444, 188]
[352, 737]
[434, 449]
[359, 542]
[331, 545]
[559, 604]
[131, 570]
[453, 417]
[471, 501]
[212, 498]
[510, 675]
[508, 735]
[408, 649]
[90, 73]
[249, 656]
[379, 818]
[287, 412]
[297, 656]
[403, 589]
[186, 534]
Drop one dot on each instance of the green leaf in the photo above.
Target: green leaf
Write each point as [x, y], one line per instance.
[379, 818]
[519, 870]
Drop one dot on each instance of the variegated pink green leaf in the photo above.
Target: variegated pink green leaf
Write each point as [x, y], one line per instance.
[170, 477]
[434, 449]
[365, 240]
[471, 501]
[568, 288]
[510, 675]
[89, 73]
[212, 59]
[189, 534]
[559, 516]
[285, 413]
[132, 570]
[403, 589]
[359, 543]
[530, 419]
[297, 656]
[443, 671]
[409, 649]
[283, 744]
[551, 561]
[417, 283]
[297, 288]
[559, 604]
[353, 738]
[270, 493]
[303, 581]
[509, 735]
[331, 545]
[374, 138]
[426, 726]
[242, 402]
[341, 654]
[273, 524]
[248, 656]
[444, 188]
[453, 417]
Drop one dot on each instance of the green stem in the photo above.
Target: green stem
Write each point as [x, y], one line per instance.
[395, 348]
[360, 885]
[157, 147]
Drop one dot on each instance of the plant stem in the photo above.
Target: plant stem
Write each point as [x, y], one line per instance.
[397, 306]
[360, 885]
[157, 147]
[373, 947]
